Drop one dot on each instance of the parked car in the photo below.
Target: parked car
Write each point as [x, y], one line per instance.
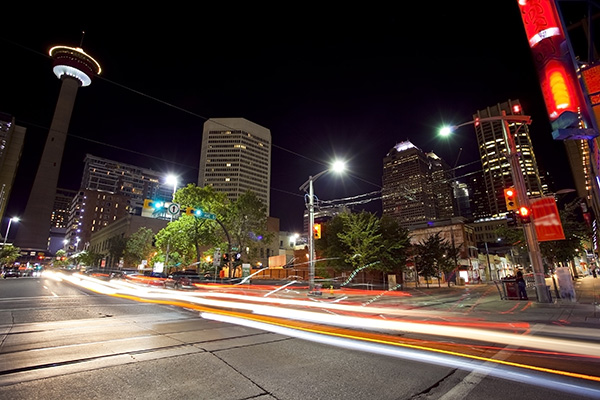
[183, 280]
[11, 273]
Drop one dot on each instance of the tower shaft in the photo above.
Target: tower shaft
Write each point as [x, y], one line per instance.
[34, 231]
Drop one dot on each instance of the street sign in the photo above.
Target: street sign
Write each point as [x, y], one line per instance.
[174, 208]
[206, 215]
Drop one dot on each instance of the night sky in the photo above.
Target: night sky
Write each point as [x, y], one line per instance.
[347, 83]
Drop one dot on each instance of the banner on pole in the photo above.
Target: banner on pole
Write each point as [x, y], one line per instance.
[547, 219]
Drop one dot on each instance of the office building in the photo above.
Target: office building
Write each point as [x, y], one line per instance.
[496, 166]
[110, 190]
[417, 186]
[236, 157]
[12, 138]
[60, 219]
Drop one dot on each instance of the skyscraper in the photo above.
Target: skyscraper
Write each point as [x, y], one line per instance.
[12, 138]
[417, 186]
[236, 157]
[492, 150]
[74, 68]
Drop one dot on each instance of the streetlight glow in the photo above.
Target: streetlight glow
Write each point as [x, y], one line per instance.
[8, 229]
[446, 130]
[172, 180]
[338, 166]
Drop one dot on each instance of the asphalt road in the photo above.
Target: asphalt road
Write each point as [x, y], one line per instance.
[60, 341]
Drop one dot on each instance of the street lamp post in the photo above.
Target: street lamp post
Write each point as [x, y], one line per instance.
[338, 166]
[523, 199]
[171, 179]
[8, 229]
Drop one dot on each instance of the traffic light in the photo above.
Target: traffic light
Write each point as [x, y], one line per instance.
[195, 212]
[317, 231]
[154, 204]
[524, 214]
[510, 196]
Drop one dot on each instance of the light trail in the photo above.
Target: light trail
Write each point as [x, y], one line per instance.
[373, 319]
[498, 368]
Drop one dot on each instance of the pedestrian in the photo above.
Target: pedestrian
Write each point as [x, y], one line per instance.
[521, 286]
[594, 273]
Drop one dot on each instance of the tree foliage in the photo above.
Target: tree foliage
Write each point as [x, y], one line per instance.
[189, 235]
[361, 238]
[246, 221]
[139, 246]
[89, 258]
[8, 254]
[116, 248]
[432, 256]
[395, 242]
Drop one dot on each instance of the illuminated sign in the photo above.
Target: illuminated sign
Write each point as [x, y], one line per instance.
[560, 86]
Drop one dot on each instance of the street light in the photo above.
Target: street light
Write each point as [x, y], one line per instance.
[8, 229]
[337, 166]
[172, 180]
[519, 182]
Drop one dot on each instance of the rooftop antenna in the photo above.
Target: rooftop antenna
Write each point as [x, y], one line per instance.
[81, 42]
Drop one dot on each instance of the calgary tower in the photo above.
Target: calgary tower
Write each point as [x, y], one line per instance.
[74, 68]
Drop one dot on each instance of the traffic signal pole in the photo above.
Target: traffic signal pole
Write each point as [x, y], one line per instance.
[535, 254]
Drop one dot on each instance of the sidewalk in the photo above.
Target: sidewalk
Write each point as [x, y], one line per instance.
[484, 301]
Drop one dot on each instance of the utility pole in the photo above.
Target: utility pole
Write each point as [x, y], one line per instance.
[528, 228]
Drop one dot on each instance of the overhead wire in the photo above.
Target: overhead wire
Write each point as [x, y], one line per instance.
[153, 98]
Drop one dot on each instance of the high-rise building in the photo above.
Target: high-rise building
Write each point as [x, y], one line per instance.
[417, 186]
[493, 149]
[60, 219]
[74, 68]
[110, 190]
[236, 157]
[137, 183]
[12, 138]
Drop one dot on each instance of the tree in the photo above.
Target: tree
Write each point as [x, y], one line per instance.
[9, 254]
[430, 255]
[394, 246]
[189, 236]
[139, 246]
[361, 237]
[89, 258]
[116, 248]
[60, 259]
[447, 263]
[246, 221]
[330, 246]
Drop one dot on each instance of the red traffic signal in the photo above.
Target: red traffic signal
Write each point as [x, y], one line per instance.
[524, 214]
[510, 196]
